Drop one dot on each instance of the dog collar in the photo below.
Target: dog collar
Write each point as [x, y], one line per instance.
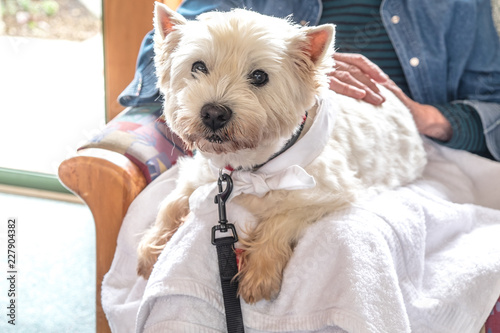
[287, 145]
[229, 169]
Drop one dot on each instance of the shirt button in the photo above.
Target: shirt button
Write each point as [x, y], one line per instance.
[303, 22]
[414, 62]
[395, 19]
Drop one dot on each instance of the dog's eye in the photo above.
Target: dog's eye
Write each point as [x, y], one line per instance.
[199, 66]
[258, 78]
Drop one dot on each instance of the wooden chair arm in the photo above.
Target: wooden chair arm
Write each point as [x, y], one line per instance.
[108, 182]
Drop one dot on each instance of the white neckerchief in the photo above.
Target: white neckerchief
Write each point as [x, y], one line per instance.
[284, 172]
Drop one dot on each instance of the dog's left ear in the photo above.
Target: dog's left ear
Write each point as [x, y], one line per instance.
[166, 19]
[320, 40]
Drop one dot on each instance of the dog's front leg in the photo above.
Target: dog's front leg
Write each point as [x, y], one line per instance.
[172, 213]
[267, 251]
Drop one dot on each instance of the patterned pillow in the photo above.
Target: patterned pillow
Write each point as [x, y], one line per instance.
[141, 134]
[493, 322]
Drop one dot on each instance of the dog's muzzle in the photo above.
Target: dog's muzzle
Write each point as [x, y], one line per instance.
[215, 116]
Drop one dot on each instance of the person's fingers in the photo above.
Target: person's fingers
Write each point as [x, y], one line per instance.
[364, 64]
[346, 89]
[358, 74]
[342, 82]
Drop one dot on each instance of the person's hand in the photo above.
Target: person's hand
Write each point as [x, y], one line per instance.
[429, 120]
[355, 76]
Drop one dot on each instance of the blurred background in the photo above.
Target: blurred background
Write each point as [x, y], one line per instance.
[52, 99]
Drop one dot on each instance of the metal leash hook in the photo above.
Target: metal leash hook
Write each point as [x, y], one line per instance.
[220, 200]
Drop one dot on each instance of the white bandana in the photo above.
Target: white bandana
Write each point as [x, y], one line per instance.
[284, 172]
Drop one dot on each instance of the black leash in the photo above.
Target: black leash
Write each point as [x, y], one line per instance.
[226, 256]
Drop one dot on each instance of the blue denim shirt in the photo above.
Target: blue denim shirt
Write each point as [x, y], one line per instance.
[449, 50]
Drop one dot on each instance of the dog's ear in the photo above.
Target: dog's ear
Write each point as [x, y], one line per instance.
[166, 19]
[320, 40]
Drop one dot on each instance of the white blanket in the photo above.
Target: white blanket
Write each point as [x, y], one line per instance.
[423, 258]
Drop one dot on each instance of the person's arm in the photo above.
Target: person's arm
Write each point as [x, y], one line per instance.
[456, 125]
[429, 119]
[356, 76]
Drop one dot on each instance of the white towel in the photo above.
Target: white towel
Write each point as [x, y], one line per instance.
[421, 258]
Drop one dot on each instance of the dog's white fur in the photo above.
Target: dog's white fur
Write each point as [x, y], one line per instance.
[372, 147]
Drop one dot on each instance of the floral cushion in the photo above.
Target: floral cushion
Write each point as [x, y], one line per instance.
[141, 134]
[493, 323]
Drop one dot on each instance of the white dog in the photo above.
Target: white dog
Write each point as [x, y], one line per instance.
[242, 88]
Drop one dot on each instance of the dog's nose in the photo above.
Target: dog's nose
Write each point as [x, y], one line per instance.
[215, 116]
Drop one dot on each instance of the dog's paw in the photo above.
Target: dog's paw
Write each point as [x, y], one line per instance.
[147, 257]
[145, 265]
[151, 245]
[170, 216]
[259, 278]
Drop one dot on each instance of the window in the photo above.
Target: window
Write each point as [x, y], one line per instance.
[51, 86]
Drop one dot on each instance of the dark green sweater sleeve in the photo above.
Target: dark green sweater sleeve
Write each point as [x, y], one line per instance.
[468, 132]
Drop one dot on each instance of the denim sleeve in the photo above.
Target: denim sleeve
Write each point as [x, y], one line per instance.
[489, 112]
[472, 131]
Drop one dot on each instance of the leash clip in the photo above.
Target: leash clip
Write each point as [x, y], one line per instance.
[220, 200]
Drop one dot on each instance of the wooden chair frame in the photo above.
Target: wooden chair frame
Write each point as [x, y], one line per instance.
[108, 182]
